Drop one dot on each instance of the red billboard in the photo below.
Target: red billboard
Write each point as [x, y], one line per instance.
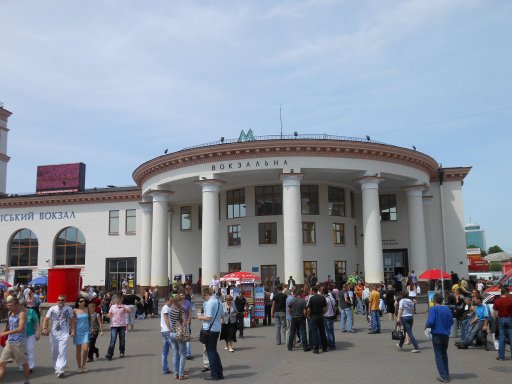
[60, 178]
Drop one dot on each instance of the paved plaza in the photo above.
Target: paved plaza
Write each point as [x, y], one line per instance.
[358, 358]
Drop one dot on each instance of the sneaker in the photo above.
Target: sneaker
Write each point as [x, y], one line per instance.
[108, 357]
[121, 355]
[205, 369]
[85, 370]
[415, 351]
[61, 374]
[398, 347]
[80, 370]
[231, 350]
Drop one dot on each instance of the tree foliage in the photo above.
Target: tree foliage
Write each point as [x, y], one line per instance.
[495, 266]
[494, 249]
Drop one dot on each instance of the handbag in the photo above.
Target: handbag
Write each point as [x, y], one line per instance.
[205, 333]
[182, 331]
[397, 333]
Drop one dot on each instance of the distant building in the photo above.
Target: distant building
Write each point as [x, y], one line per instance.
[475, 236]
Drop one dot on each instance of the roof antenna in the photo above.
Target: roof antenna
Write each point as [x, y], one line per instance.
[281, 120]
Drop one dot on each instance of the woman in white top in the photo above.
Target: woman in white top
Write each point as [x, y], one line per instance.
[406, 319]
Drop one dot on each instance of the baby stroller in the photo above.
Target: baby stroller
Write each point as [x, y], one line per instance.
[139, 313]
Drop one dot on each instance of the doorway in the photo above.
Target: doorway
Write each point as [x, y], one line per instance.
[121, 273]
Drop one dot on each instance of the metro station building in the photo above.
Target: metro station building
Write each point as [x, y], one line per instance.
[274, 205]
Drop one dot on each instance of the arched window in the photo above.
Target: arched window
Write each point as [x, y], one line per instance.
[70, 247]
[23, 249]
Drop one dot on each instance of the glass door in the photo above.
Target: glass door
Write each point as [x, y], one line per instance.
[121, 273]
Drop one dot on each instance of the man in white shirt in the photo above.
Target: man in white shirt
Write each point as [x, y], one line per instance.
[63, 325]
[165, 327]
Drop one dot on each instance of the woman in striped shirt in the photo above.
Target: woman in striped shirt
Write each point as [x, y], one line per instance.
[179, 347]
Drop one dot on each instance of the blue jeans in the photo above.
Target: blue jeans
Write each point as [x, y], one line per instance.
[114, 331]
[505, 327]
[280, 318]
[472, 331]
[375, 321]
[213, 356]
[407, 322]
[346, 317]
[359, 306]
[189, 350]
[178, 355]
[166, 344]
[329, 332]
[440, 344]
[463, 328]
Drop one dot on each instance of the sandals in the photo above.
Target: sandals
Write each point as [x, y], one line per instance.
[184, 377]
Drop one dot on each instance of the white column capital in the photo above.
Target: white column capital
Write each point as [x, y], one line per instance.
[210, 185]
[414, 190]
[291, 179]
[160, 196]
[369, 182]
[147, 207]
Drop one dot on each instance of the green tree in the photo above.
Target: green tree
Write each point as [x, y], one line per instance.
[494, 249]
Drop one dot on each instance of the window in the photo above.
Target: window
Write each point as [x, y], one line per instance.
[23, 249]
[269, 200]
[234, 235]
[267, 233]
[340, 267]
[309, 268]
[113, 222]
[234, 267]
[131, 220]
[338, 233]
[352, 205]
[235, 203]
[186, 218]
[336, 198]
[355, 235]
[309, 199]
[308, 233]
[387, 207]
[200, 217]
[268, 273]
[70, 247]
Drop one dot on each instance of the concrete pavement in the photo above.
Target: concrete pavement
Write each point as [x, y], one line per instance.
[359, 358]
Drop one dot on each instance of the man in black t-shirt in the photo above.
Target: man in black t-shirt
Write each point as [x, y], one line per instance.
[297, 310]
[317, 306]
[241, 307]
[279, 314]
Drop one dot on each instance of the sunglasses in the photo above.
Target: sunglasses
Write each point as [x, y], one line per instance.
[61, 300]
[81, 301]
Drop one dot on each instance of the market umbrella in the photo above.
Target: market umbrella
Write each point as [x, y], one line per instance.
[3, 286]
[434, 274]
[41, 280]
[243, 277]
[499, 256]
[6, 283]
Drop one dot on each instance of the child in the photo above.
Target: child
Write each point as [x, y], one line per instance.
[96, 328]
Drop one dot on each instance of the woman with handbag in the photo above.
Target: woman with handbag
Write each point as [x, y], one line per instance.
[405, 318]
[228, 330]
[178, 336]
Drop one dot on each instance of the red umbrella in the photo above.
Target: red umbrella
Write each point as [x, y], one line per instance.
[434, 274]
[6, 283]
[240, 276]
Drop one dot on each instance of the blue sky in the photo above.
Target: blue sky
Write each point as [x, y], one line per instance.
[114, 83]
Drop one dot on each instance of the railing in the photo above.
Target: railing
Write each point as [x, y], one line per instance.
[321, 136]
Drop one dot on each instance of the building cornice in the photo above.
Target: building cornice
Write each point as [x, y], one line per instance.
[452, 174]
[286, 148]
[71, 199]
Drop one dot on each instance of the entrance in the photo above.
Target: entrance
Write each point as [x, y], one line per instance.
[22, 276]
[121, 273]
[268, 273]
[395, 261]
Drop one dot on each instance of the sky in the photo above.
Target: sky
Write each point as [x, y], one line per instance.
[113, 84]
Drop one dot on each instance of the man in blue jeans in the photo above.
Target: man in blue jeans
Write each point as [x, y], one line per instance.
[212, 309]
[279, 314]
[117, 315]
[165, 327]
[346, 309]
[479, 321]
[440, 322]
[503, 314]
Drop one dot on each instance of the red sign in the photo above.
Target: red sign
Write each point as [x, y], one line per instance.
[60, 178]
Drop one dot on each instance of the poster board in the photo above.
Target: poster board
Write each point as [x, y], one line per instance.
[431, 298]
[259, 303]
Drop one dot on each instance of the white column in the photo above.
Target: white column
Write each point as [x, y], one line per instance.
[145, 252]
[210, 249]
[292, 227]
[373, 260]
[159, 250]
[417, 242]
[427, 202]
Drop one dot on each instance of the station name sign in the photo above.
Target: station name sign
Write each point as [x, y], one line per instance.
[246, 164]
[42, 216]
